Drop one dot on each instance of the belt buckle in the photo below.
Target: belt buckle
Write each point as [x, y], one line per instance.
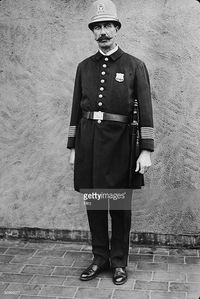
[98, 115]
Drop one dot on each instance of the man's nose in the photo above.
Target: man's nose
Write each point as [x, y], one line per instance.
[103, 31]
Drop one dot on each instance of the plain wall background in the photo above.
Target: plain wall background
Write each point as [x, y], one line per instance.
[41, 43]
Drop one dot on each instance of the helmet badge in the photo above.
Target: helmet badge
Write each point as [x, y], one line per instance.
[100, 8]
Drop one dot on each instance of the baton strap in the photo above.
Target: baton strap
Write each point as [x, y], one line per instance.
[99, 115]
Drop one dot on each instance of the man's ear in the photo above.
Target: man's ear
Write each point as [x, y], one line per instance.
[117, 28]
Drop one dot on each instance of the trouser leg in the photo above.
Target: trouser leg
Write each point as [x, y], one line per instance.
[121, 225]
[98, 223]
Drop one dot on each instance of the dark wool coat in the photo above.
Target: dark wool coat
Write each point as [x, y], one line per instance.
[102, 148]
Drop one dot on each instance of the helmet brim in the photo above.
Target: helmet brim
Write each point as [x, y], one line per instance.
[104, 19]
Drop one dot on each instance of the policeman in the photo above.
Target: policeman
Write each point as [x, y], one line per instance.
[106, 87]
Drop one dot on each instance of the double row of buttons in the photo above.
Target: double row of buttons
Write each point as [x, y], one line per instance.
[103, 73]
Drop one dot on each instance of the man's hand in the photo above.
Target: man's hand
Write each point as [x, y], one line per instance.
[72, 157]
[143, 162]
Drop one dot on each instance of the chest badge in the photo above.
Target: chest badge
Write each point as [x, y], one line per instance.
[119, 77]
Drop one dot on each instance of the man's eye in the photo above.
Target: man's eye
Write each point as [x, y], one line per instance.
[96, 27]
[108, 25]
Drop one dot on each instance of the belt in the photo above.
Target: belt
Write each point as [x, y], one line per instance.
[99, 115]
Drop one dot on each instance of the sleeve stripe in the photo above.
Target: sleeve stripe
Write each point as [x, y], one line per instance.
[72, 131]
[147, 133]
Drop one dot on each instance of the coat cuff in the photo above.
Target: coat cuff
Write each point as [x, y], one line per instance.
[147, 144]
[71, 142]
[71, 137]
[147, 138]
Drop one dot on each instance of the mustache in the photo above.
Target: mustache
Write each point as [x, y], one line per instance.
[103, 37]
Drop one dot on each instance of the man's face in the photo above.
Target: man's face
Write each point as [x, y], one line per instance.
[105, 34]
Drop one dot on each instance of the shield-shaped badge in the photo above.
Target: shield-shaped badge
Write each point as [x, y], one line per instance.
[119, 77]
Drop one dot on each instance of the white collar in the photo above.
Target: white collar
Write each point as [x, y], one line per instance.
[109, 52]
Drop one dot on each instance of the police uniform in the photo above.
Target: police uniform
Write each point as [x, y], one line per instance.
[105, 90]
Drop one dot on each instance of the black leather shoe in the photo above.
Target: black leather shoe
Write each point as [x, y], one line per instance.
[93, 270]
[119, 275]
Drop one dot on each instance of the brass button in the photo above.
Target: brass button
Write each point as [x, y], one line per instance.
[100, 103]
[102, 80]
[103, 73]
[101, 88]
[99, 121]
[100, 96]
[106, 59]
[104, 65]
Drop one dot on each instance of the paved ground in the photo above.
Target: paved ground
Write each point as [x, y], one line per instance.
[51, 270]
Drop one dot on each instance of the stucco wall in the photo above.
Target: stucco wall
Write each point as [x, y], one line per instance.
[41, 42]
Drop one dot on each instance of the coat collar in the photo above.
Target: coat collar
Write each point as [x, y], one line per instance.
[113, 56]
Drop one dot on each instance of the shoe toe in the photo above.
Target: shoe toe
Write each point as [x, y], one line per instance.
[119, 279]
[91, 272]
[119, 276]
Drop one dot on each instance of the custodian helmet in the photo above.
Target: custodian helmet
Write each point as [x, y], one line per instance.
[101, 11]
